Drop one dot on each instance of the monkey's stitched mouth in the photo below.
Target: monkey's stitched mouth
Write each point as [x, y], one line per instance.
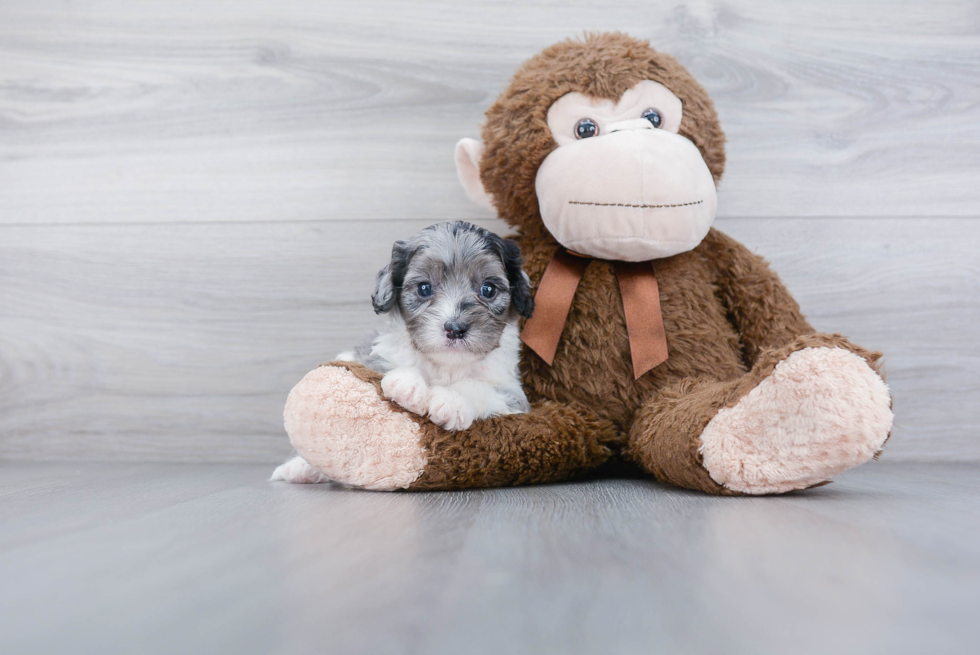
[623, 204]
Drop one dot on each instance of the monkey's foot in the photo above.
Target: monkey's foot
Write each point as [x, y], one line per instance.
[820, 412]
[340, 424]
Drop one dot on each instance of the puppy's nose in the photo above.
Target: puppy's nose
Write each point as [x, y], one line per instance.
[456, 329]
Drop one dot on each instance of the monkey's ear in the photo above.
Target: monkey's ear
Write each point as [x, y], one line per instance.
[390, 279]
[468, 153]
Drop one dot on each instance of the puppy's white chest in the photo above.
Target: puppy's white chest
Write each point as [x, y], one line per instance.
[449, 372]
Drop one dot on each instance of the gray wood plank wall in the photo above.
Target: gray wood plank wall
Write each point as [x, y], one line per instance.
[194, 197]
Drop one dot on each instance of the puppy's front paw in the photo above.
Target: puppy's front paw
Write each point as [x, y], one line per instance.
[450, 410]
[407, 387]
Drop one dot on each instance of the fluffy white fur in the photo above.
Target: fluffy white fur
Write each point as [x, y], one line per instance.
[453, 387]
[298, 471]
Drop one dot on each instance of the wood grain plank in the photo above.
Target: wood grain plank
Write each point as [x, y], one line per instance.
[179, 342]
[206, 558]
[127, 112]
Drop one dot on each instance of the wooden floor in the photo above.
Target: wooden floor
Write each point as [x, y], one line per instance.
[183, 558]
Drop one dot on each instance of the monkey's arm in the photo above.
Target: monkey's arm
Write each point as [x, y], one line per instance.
[759, 306]
[340, 423]
[761, 309]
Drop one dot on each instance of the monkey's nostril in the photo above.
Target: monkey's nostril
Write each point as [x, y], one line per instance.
[456, 329]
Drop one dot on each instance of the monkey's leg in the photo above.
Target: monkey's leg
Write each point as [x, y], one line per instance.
[339, 422]
[804, 413]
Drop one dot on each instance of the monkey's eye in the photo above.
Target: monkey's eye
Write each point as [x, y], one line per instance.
[425, 289]
[654, 117]
[586, 128]
[488, 291]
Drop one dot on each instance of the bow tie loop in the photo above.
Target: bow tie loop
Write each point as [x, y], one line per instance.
[641, 307]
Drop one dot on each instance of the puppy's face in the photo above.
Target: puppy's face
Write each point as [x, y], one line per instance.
[456, 286]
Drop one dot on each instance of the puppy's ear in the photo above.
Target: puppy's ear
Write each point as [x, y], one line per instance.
[520, 284]
[522, 297]
[390, 279]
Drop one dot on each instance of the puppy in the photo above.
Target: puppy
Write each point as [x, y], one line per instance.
[453, 294]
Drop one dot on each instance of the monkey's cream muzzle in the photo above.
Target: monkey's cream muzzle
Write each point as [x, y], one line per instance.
[632, 194]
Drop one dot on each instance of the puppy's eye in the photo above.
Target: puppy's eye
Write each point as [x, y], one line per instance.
[586, 128]
[488, 291]
[654, 117]
[425, 289]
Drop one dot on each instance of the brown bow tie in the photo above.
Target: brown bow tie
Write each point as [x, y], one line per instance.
[641, 305]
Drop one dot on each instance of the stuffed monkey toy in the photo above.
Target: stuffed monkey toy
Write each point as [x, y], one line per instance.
[657, 342]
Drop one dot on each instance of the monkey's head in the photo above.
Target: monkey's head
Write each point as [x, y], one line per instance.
[604, 145]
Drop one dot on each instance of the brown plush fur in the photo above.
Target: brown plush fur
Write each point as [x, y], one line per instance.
[728, 318]
[729, 321]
